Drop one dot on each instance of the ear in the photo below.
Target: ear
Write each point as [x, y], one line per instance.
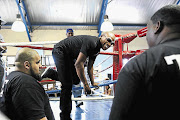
[27, 65]
[158, 27]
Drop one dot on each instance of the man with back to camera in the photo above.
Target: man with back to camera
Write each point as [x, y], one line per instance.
[160, 65]
[70, 55]
[24, 98]
[3, 49]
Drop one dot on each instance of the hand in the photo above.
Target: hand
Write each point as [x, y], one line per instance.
[87, 89]
[96, 85]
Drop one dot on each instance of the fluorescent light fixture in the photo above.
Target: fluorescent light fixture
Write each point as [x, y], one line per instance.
[18, 25]
[106, 25]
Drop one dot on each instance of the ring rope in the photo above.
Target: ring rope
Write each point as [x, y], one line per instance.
[35, 47]
[102, 61]
[29, 43]
[104, 69]
[84, 98]
[100, 94]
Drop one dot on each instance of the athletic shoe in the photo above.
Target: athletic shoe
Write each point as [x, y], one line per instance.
[48, 73]
[79, 104]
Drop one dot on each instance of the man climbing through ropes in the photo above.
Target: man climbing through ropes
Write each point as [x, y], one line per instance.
[69, 56]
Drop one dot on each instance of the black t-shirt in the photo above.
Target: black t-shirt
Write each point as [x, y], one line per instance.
[88, 45]
[160, 66]
[24, 98]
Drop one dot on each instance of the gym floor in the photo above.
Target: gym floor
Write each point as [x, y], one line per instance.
[90, 110]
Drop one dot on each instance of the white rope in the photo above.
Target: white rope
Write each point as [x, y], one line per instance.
[103, 95]
[102, 62]
[84, 99]
[29, 43]
[103, 70]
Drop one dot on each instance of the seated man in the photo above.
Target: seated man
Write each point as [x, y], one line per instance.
[23, 97]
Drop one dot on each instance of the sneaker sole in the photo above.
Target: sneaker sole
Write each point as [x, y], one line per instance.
[78, 105]
[45, 71]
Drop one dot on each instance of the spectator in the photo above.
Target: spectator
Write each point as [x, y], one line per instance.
[3, 49]
[69, 32]
[108, 90]
[159, 65]
[23, 96]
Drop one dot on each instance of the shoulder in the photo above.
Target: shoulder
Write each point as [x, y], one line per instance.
[91, 40]
[149, 59]
[148, 55]
[18, 74]
[21, 78]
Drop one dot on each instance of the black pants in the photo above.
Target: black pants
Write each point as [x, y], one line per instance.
[67, 76]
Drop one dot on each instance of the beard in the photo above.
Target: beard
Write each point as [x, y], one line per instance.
[34, 75]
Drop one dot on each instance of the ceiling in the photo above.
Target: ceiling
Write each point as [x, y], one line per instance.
[80, 14]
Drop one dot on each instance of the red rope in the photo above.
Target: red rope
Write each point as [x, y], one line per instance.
[35, 47]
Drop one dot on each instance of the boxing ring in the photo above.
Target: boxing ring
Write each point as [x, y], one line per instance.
[118, 55]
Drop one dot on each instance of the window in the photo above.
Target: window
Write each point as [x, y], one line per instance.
[10, 60]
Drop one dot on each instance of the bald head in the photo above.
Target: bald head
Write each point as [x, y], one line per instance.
[109, 34]
[107, 39]
[25, 54]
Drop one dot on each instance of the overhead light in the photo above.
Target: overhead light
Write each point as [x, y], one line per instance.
[18, 25]
[106, 25]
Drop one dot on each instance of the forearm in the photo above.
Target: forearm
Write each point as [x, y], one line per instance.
[80, 73]
[90, 73]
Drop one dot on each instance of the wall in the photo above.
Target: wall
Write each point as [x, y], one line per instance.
[57, 35]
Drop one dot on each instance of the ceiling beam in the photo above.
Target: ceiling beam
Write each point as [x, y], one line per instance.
[27, 16]
[103, 12]
[24, 21]
[178, 2]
